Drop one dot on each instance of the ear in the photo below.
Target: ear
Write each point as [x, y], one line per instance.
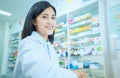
[34, 22]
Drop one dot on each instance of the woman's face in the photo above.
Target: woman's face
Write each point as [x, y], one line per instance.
[45, 23]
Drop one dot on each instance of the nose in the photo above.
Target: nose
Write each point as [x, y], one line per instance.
[50, 22]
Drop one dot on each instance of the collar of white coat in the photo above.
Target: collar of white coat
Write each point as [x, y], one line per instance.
[39, 38]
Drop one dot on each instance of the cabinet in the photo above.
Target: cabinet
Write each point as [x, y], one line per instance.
[13, 46]
[78, 41]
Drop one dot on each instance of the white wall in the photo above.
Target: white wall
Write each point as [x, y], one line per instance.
[4, 39]
[5, 49]
[1, 44]
[17, 26]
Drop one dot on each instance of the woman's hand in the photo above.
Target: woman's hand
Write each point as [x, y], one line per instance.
[80, 74]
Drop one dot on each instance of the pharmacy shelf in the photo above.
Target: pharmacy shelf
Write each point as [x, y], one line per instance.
[78, 35]
[13, 47]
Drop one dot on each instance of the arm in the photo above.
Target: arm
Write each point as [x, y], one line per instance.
[35, 63]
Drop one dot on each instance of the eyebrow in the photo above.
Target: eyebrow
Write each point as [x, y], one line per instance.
[48, 15]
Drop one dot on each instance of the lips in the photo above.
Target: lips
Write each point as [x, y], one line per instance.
[49, 27]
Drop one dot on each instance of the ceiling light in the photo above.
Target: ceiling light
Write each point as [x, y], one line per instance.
[5, 13]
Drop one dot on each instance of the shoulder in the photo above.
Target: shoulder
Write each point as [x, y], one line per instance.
[28, 46]
[28, 42]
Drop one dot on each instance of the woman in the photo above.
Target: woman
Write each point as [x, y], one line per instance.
[36, 56]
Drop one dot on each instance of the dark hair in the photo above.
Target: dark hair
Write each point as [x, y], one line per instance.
[34, 11]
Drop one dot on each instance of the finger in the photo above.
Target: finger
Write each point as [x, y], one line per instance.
[85, 75]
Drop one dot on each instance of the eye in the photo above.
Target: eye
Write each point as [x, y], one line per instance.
[53, 17]
[44, 16]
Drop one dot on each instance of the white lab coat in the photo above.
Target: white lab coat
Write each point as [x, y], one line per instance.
[37, 60]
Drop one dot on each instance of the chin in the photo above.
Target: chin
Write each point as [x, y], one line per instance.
[50, 33]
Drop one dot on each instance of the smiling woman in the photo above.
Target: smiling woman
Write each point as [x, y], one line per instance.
[45, 23]
[36, 56]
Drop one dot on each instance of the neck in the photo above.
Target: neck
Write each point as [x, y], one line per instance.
[44, 36]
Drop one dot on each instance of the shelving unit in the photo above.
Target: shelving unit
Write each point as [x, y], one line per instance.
[80, 30]
[60, 43]
[13, 46]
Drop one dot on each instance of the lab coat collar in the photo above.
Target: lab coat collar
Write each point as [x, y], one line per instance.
[39, 38]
